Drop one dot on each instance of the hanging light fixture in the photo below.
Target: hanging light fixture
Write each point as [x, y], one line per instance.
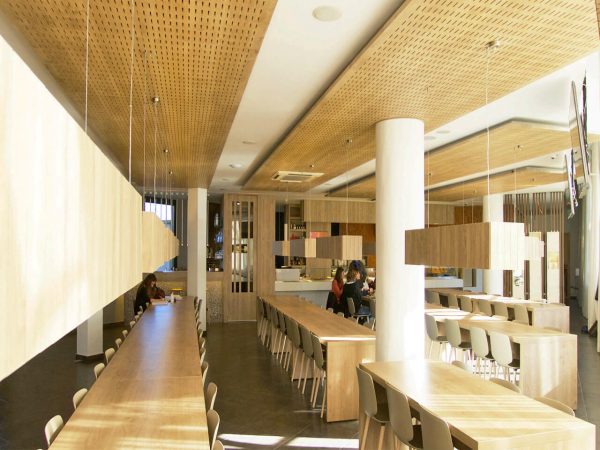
[282, 248]
[306, 247]
[487, 245]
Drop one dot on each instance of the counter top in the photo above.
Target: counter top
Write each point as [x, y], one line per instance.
[303, 285]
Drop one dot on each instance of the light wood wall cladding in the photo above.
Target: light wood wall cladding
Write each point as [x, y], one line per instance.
[159, 244]
[71, 234]
[265, 271]
[468, 214]
[199, 57]
[334, 211]
[345, 248]
[303, 248]
[429, 62]
[488, 245]
[501, 183]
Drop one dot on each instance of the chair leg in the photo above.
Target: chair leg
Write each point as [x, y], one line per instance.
[380, 442]
[301, 369]
[324, 400]
[430, 349]
[305, 376]
[295, 358]
[363, 441]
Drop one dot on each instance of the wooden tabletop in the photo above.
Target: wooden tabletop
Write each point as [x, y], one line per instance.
[324, 324]
[529, 304]
[482, 414]
[151, 394]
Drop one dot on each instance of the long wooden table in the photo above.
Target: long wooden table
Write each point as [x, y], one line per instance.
[481, 414]
[548, 358]
[347, 345]
[151, 393]
[555, 315]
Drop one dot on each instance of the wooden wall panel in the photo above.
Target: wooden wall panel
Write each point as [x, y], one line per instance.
[468, 214]
[71, 229]
[159, 245]
[265, 270]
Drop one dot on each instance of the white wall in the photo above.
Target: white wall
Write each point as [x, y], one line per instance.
[197, 228]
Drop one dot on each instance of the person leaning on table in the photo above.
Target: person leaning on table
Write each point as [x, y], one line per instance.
[335, 295]
[144, 292]
[353, 289]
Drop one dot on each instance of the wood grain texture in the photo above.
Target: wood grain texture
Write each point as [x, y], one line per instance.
[265, 271]
[71, 222]
[481, 414]
[159, 244]
[429, 62]
[344, 247]
[151, 394]
[335, 211]
[198, 60]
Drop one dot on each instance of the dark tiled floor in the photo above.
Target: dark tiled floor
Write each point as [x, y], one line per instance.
[43, 388]
[259, 407]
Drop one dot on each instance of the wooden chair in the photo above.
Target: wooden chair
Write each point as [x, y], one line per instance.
[204, 370]
[556, 405]
[108, 354]
[131, 324]
[434, 334]
[211, 396]
[213, 420]
[202, 355]
[78, 397]
[506, 384]
[52, 428]
[436, 432]
[98, 368]
[124, 333]
[401, 419]
[321, 373]
[368, 404]
[118, 342]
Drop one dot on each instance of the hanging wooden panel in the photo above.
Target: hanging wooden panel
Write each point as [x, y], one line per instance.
[198, 59]
[303, 248]
[429, 62]
[159, 244]
[345, 248]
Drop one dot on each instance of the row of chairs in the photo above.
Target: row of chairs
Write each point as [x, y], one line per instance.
[288, 340]
[210, 393]
[56, 424]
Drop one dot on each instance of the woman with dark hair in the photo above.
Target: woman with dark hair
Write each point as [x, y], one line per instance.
[337, 287]
[144, 293]
[353, 290]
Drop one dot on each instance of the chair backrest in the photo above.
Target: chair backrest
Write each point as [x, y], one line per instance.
[141, 310]
[108, 354]
[351, 308]
[52, 428]
[435, 298]
[201, 342]
[436, 433]
[556, 405]
[202, 355]
[462, 366]
[98, 368]
[341, 314]
[211, 396]
[306, 342]
[400, 416]
[453, 332]
[131, 324]
[373, 306]
[501, 349]
[204, 369]
[282, 326]
[274, 318]
[367, 400]
[466, 304]
[78, 397]
[212, 420]
[479, 342]
[521, 314]
[500, 309]
[317, 352]
[293, 331]
[124, 333]
[330, 310]
[506, 384]
[218, 445]
[118, 342]
[485, 307]
[431, 327]
[453, 301]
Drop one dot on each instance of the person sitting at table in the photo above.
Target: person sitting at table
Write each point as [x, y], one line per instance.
[335, 295]
[353, 290]
[144, 293]
[360, 267]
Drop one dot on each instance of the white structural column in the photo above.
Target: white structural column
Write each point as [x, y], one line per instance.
[89, 336]
[400, 207]
[591, 239]
[197, 231]
[493, 211]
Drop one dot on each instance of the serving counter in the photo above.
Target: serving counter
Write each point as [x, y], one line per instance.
[315, 291]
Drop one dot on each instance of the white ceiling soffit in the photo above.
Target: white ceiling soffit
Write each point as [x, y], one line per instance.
[544, 100]
[299, 58]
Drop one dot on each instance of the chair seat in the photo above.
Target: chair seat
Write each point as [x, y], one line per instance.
[441, 339]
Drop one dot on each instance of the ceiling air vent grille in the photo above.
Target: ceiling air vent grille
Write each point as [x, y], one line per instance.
[295, 177]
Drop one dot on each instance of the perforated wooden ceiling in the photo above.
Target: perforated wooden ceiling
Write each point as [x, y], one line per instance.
[429, 62]
[199, 57]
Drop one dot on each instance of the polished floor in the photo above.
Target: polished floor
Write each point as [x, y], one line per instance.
[258, 405]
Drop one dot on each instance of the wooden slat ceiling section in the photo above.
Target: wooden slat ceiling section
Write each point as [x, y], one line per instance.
[199, 57]
[429, 62]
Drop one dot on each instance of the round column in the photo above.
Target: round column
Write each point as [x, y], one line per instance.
[493, 211]
[400, 206]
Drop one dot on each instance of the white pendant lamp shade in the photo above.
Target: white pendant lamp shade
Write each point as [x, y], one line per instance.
[340, 247]
[303, 248]
[487, 245]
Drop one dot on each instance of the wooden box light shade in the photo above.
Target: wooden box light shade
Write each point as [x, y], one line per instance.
[340, 247]
[488, 245]
[281, 248]
[305, 248]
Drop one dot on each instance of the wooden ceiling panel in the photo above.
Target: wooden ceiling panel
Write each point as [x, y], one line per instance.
[429, 62]
[195, 56]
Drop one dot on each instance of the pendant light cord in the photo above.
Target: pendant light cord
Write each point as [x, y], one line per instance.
[348, 143]
[144, 139]
[490, 48]
[131, 81]
[87, 64]
[155, 130]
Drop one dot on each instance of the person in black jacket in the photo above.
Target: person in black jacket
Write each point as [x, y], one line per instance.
[353, 290]
[143, 293]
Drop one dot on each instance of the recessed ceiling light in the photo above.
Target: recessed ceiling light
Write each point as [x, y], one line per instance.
[443, 131]
[429, 138]
[249, 142]
[326, 13]
[235, 166]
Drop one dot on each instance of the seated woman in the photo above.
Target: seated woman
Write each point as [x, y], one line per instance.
[144, 293]
[353, 290]
[335, 295]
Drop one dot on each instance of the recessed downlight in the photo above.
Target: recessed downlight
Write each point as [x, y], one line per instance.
[327, 13]
[236, 165]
